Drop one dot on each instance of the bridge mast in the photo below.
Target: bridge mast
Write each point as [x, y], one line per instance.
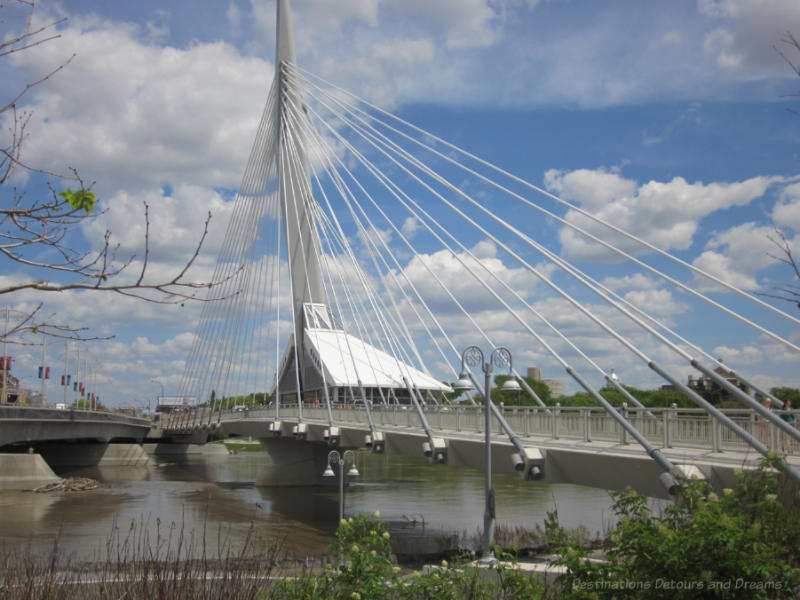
[294, 184]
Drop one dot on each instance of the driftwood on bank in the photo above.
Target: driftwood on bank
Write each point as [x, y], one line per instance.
[70, 484]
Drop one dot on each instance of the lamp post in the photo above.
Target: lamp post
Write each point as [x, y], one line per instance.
[500, 357]
[334, 458]
[162, 393]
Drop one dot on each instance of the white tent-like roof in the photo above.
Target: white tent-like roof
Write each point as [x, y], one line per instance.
[346, 359]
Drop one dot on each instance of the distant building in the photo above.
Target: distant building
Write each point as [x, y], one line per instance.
[168, 404]
[711, 390]
[556, 386]
[35, 398]
[10, 392]
[613, 379]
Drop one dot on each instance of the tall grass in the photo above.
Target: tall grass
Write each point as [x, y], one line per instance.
[173, 565]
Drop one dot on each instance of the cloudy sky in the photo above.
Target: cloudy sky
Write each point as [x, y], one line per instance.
[671, 118]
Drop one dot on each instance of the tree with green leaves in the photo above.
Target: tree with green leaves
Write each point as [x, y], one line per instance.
[738, 542]
[787, 393]
[521, 398]
[84, 404]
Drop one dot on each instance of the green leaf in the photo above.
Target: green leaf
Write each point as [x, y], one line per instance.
[79, 200]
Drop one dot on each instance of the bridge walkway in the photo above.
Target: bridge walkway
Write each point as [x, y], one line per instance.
[581, 445]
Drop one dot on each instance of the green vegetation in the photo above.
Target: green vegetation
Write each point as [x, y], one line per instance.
[649, 398]
[80, 199]
[741, 544]
[83, 404]
[787, 393]
[366, 571]
[254, 399]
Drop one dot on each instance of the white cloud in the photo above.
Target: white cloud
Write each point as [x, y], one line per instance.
[637, 281]
[747, 32]
[736, 256]
[739, 358]
[456, 275]
[410, 227]
[656, 302]
[139, 114]
[176, 222]
[786, 213]
[234, 14]
[664, 214]
[593, 189]
[462, 23]
[173, 124]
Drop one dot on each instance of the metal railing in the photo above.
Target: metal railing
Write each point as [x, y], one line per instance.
[663, 427]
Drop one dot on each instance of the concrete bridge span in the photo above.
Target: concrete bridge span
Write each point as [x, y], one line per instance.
[32, 440]
[566, 445]
[26, 426]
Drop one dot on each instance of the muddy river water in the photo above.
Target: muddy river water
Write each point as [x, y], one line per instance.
[213, 501]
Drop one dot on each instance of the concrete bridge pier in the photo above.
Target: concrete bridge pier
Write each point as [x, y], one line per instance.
[24, 472]
[298, 452]
[28, 470]
[295, 462]
[67, 454]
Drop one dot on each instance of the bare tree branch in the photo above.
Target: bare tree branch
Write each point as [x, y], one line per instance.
[791, 292]
[37, 233]
[10, 151]
[33, 322]
[790, 40]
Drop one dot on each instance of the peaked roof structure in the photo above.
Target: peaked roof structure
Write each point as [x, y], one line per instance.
[347, 361]
[339, 359]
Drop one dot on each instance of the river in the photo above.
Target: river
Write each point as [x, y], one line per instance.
[213, 501]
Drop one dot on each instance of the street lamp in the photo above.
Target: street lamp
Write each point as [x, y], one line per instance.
[500, 357]
[162, 393]
[334, 458]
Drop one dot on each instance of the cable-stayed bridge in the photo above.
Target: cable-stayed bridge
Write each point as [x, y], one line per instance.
[365, 254]
[581, 445]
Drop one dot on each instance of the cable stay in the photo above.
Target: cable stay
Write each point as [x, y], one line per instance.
[363, 253]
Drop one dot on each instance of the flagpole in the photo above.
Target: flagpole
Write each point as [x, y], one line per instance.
[44, 368]
[65, 381]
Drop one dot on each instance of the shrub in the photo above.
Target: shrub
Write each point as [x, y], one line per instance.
[739, 544]
[366, 571]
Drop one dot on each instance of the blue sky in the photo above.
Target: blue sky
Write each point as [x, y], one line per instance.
[618, 106]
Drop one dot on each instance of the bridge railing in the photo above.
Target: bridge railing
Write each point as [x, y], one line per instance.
[43, 413]
[663, 427]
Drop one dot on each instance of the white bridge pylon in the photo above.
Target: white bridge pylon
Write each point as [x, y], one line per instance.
[364, 253]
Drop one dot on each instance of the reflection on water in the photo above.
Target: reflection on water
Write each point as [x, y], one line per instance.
[214, 498]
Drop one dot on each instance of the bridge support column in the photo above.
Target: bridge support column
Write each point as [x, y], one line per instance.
[58, 454]
[24, 471]
[294, 463]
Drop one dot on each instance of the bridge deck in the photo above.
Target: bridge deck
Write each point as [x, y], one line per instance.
[580, 445]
